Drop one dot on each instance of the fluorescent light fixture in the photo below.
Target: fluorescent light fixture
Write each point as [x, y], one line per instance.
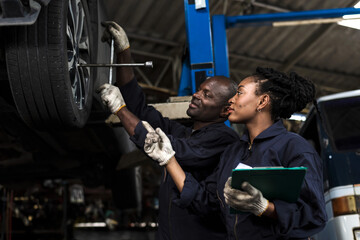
[90, 225]
[357, 234]
[298, 117]
[352, 21]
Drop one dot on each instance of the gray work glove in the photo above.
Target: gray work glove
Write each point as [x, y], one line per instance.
[113, 30]
[111, 97]
[157, 145]
[249, 200]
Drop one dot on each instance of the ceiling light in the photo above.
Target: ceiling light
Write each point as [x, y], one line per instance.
[352, 21]
[298, 117]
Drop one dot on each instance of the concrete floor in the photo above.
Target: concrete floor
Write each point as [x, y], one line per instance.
[114, 235]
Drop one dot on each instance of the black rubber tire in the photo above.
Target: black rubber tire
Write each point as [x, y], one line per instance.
[39, 74]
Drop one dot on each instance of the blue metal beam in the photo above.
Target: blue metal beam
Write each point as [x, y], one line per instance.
[269, 18]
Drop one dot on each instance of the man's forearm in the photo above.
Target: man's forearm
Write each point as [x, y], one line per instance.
[124, 74]
[128, 120]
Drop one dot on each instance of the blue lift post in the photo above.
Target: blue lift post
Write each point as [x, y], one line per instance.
[200, 63]
[221, 57]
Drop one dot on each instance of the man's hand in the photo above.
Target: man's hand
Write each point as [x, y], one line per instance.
[249, 200]
[113, 30]
[111, 97]
[157, 145]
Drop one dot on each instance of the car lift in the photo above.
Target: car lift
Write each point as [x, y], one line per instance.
[207, 49]
[207, 41]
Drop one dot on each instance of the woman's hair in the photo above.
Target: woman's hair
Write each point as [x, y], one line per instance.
[288, 93]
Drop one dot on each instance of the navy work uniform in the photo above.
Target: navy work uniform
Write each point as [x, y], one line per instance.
[198, 152]
[275, 146]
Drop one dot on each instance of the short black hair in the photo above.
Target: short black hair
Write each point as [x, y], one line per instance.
[231, 89]
[288, 93]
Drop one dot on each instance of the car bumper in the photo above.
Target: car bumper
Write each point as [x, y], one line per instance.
[14, 12]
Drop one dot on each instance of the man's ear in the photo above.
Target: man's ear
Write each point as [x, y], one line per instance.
[224, 112]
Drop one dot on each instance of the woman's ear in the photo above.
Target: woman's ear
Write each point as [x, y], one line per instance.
[264, 101]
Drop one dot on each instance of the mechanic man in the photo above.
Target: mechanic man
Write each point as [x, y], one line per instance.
[198, 148]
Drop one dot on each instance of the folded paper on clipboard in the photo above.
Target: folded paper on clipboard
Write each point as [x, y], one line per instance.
[273, 182]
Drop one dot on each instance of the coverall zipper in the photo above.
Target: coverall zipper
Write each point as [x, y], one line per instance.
[164, 175]
[236, 216]
[250, 145]
[236, 221]
[169, 218]
[221, 202]
[169, 209]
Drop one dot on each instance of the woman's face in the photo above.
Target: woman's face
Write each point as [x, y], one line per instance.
[243, 105]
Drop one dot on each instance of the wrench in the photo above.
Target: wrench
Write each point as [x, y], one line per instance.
[112, 64]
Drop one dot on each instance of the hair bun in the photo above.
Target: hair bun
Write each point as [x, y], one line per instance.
[304, 90]
[289, 93]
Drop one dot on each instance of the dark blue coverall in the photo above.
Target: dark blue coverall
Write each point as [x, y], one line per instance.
[273, 147]
[198, 152]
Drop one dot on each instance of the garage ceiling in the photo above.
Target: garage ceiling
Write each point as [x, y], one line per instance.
[328, 54]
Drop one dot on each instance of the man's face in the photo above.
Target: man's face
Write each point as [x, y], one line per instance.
[208, 102]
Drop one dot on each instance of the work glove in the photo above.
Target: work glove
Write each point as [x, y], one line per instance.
[157, 145]
[111, 97]
[113, 30]
[248, 200]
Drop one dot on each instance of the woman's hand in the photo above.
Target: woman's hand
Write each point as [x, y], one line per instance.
[157, 145]
[248, 200]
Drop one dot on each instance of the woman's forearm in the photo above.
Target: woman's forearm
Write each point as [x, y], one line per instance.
[176, 173]
[270, 211]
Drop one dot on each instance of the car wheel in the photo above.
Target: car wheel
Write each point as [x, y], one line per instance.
[48, 87]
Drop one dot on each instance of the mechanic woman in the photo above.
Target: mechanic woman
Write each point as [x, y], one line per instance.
[260, 102]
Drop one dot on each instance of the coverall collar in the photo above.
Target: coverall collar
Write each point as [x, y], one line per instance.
[276, 129]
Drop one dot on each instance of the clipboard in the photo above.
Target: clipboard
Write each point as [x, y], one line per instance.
[274, 182]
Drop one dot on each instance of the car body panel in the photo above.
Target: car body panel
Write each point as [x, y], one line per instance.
[334, 133]
[15, 13]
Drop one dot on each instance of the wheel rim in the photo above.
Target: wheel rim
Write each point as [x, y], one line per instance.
[78, 51]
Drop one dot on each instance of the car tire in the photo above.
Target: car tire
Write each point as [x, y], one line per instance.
[48, 87]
